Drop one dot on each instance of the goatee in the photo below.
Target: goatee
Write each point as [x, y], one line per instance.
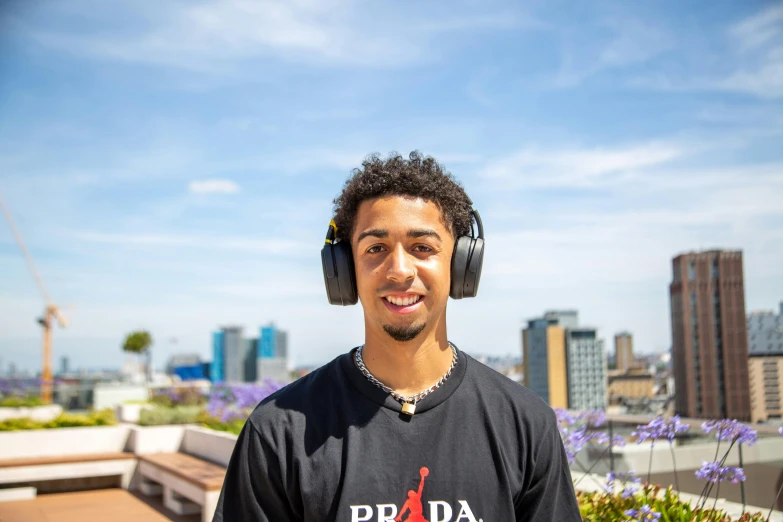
[404, 333]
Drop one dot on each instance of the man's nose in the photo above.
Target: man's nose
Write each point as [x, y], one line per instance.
[401, 267]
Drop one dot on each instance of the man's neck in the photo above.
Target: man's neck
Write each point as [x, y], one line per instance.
[408, 367]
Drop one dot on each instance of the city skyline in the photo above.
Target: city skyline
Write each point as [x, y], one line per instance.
[175, 184]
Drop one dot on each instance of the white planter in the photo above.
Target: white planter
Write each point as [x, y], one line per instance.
[131, 412]
[214, 446]
[58, 442]
[156, 439]
[38, 413]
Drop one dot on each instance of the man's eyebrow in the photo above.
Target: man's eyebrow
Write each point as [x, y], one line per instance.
[423, 233]
[375, 232]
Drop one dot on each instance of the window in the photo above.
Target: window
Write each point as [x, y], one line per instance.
[691, 271]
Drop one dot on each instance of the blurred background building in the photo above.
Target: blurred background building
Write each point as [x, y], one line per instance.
[709, 335]
[565, 364]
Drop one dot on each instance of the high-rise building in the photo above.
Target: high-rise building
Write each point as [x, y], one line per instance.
[64, 365]
[564, 363]
[216, 373]
[586, 361]
[251, 356]
[623, 351]
[228, 349]
[272, 362]
[765, 332]
[544, 361]
[766, 386]
[709, 335]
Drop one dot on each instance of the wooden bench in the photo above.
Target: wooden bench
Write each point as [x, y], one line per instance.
[25, 470]
[188, 484]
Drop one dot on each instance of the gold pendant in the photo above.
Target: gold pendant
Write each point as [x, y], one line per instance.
[409, 408]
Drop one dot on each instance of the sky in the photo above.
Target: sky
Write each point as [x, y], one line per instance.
[171, 165]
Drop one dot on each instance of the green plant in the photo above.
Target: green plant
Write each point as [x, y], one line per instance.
[64, 420]
[603, 507]
[161, 416]
[210, 421]
[29, 401]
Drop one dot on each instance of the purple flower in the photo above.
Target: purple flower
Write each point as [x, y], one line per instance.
[780, 430]
[714, 472]
[628, 489]
[236, 402]
[593, 418]
[642, 514]
[660, 429]
[564, 418]
[731, 430]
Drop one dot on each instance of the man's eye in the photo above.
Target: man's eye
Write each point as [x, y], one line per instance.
[422, 248]
[375, 249]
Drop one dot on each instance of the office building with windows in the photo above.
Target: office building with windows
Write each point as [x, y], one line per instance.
[623, 351]
[709, 335]
[272, 361]
[563, 363]
[765, 332]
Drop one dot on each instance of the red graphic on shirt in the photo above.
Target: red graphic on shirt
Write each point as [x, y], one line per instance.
[414, 502]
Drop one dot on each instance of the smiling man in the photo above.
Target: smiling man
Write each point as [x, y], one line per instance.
[405, 427]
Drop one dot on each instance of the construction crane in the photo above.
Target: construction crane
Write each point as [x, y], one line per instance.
[51, 312]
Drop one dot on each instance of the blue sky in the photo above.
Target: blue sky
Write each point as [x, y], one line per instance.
[171, 165]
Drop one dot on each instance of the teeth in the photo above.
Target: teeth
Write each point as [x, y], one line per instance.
[403, 301]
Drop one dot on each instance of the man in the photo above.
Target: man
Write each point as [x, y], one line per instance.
[354, 440]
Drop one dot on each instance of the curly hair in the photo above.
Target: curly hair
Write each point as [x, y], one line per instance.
[418, 176]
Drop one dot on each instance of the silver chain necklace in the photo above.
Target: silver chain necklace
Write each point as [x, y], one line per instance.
[408, 403]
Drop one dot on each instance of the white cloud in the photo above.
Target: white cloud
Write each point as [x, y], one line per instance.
[631, 42]
[211, 36]
[532, 167]
[267, 245]
[213, 186]
[760, 29]
[751, 61]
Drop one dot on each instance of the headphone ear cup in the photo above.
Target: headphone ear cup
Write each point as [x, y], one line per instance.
[473, 272]
[459, 266]
[330, 275]
[346, 273]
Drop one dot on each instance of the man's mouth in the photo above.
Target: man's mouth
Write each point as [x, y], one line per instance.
[403, 300]
[403, 304]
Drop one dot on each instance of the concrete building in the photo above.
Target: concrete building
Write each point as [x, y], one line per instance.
[229, 355]
[586, 363]
[272, 361]
[564, 363]
[765, 332]
[632, 384]
[709, 335]
[623, 351]
[766, 386]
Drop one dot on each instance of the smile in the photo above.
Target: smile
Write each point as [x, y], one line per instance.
[403, 304]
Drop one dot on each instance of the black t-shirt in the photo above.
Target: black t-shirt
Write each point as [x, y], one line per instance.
[331, 446]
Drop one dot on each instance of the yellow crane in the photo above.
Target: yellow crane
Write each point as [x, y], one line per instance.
[51, 312]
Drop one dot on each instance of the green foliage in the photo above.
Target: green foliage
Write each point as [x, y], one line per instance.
[161, 416]
[137, 342]
[232, 426]
[182, 396]
[65, 420]
[601, 507]
[21, 402]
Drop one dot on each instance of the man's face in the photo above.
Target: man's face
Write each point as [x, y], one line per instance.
[402, 252]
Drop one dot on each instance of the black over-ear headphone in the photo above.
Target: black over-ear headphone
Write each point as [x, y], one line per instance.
[340, 277]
